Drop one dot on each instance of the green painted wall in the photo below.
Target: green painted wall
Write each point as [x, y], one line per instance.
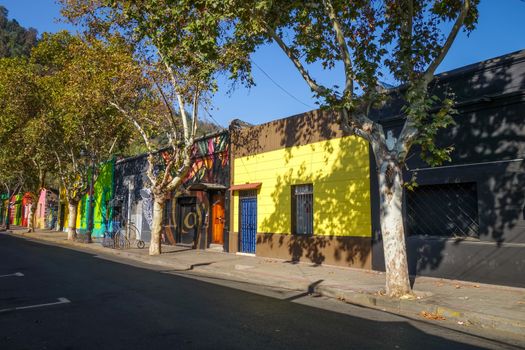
[102, 195]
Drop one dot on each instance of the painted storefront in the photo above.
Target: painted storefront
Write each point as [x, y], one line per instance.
[466, 218]
[102, 195]
[132, 202]
[301, 192]
[46, 214]
[3, 209]
[102, 211]
[197, 215]
[16, 209]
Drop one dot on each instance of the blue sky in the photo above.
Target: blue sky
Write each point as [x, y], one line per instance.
[501, 29]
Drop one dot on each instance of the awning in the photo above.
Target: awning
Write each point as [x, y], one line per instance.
[245, 187]
[203, 186]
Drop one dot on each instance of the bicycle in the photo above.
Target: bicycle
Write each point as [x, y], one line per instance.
[132, 232]
[114, 238]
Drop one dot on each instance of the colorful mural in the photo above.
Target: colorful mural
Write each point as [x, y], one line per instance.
[210, 160]
[132, 201]
[47, 209]
[3, 209]
[102, 195]
[16, 210]
[187, 217]
[26, 207]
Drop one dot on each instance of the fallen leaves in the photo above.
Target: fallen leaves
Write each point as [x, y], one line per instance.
[431, 316]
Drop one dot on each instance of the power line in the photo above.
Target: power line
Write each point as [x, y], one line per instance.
[209, 114]
[280, 87]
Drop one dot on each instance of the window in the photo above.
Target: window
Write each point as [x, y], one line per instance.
[302, 209]
[447, 210]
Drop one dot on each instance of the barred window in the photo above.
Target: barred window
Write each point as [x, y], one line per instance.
[447, 210]
[302, 209]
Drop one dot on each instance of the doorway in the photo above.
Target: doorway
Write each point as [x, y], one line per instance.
[187, 220]
[217, 216]
[248, 221]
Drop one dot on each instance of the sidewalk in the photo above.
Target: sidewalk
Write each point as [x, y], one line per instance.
[464, 303]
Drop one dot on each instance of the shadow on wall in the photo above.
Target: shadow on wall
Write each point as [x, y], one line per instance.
[489, 143]
[339, 171]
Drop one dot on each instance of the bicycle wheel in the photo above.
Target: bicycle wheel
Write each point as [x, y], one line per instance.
[117, 240]
[140, 244]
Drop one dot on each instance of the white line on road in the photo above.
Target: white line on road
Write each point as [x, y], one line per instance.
[17, 274]
[61, 300]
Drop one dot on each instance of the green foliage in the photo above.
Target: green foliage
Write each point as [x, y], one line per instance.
[77, 76]
[20, 102]
[15, 40]
[429, 115]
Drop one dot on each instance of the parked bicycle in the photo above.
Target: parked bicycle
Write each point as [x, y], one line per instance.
[132, 235]
[113, 237]
[122, 236]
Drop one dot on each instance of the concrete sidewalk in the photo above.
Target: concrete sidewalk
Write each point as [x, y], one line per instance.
[463, 303]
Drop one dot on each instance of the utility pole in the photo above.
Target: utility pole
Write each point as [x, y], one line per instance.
[91, 206]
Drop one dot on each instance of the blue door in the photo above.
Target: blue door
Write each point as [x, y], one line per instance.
[248, 224]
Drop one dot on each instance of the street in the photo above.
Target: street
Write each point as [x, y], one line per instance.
[80, 301]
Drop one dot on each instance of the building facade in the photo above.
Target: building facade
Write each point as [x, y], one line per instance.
[465, 219]
[301, 192]
[132, 202]
[197, 214]
[46, 214]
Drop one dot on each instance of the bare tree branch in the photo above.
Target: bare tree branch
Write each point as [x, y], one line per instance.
[61, 173]
[167, 103]
[429, 74]
[184, 118]
[343, 48]
[319, 89]
[194, 116]
[136, 124]
[179, 98]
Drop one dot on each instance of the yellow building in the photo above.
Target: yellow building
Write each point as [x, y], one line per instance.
[301, 191]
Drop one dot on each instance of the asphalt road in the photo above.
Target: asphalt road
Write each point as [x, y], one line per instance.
[115, 305]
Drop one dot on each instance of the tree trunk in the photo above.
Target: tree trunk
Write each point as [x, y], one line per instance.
[391, 211]
[72, 220]
[156, 228]
[31, 218]
[8, 217]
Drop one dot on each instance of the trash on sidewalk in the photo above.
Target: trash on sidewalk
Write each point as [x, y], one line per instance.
[431, 316]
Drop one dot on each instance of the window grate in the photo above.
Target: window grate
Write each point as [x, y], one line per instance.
[302, 209]
[447, 210]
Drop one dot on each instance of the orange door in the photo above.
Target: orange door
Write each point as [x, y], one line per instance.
[218, 219]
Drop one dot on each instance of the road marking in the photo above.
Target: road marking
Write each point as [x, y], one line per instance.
[61, 300]
[17, 274]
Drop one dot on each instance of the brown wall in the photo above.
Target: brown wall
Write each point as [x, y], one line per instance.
[331, 250]
[297, 130]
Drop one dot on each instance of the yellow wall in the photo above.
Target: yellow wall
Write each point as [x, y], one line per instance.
[339, 171]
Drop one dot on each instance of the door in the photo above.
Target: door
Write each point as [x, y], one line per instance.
[188, 220]
[217, 214]
[248, 224]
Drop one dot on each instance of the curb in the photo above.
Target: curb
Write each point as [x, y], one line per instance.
[409, 308]
[412, 308]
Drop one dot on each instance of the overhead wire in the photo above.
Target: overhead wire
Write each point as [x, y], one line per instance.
[280, 87]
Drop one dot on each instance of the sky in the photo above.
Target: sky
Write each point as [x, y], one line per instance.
[280, 90]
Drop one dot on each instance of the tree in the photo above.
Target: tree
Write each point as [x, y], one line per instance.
[401, 40]
[15, 40]
[83, 129]
[179, 66]
[21, 159]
